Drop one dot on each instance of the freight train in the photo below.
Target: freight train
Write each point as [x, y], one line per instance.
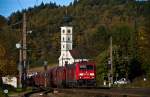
[71, 75]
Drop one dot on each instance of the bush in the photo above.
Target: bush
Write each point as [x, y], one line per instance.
[9, 87]
[1, 93]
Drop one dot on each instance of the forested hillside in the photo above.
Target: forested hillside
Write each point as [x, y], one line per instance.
[93, 21]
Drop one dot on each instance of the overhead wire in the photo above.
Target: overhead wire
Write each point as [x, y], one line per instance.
[20, 4]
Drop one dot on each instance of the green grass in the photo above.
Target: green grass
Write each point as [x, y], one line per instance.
[18, 91]
[140, 83]
[1, 93]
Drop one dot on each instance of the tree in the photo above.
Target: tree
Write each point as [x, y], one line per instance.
[3, 22]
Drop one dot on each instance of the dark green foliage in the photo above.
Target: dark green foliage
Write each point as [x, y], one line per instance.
[3, 22]
[135, 69]
[102, 67]
[1, 93]
[99, 40]
[1, 82]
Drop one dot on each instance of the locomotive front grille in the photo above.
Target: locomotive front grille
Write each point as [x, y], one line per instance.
[87, 82]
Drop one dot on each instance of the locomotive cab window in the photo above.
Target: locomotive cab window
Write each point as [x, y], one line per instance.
[90, 67]
[82, 67]
[86, 67]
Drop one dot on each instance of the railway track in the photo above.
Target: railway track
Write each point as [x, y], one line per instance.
[114, 92]
[38, 92]
[91, 92]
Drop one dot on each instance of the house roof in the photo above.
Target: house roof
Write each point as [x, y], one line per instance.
[77, 54]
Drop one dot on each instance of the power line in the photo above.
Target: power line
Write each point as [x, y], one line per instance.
[20, 4]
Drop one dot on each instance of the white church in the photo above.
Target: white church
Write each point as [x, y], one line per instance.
[68, 54]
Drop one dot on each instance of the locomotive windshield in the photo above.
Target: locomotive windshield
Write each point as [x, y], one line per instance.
[90, 67]
[86, 67]
[82, 67]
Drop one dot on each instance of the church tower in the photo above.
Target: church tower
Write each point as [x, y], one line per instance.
[66, 41]
[69, 55]
[66, 44]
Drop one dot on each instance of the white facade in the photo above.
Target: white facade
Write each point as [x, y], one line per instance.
[66, 38]
[66, 45]
[10, 81]
[66, 48]
[67, 57]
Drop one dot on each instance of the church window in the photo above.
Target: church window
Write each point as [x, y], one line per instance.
[63, 38]
[68, 30]
[68, 46]
[68, 39]
[66, 62]
[63, 31]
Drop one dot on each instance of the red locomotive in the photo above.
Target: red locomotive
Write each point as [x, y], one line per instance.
[81, 73]
[77, 74]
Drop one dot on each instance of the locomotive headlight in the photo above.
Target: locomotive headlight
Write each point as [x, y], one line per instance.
[81, 74]
[91, 74]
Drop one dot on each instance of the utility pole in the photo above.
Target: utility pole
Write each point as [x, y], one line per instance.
[20, 66]
[111, 63]
[45, 70]
[24, 47]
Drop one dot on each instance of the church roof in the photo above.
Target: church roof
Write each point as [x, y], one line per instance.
[77, 54]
